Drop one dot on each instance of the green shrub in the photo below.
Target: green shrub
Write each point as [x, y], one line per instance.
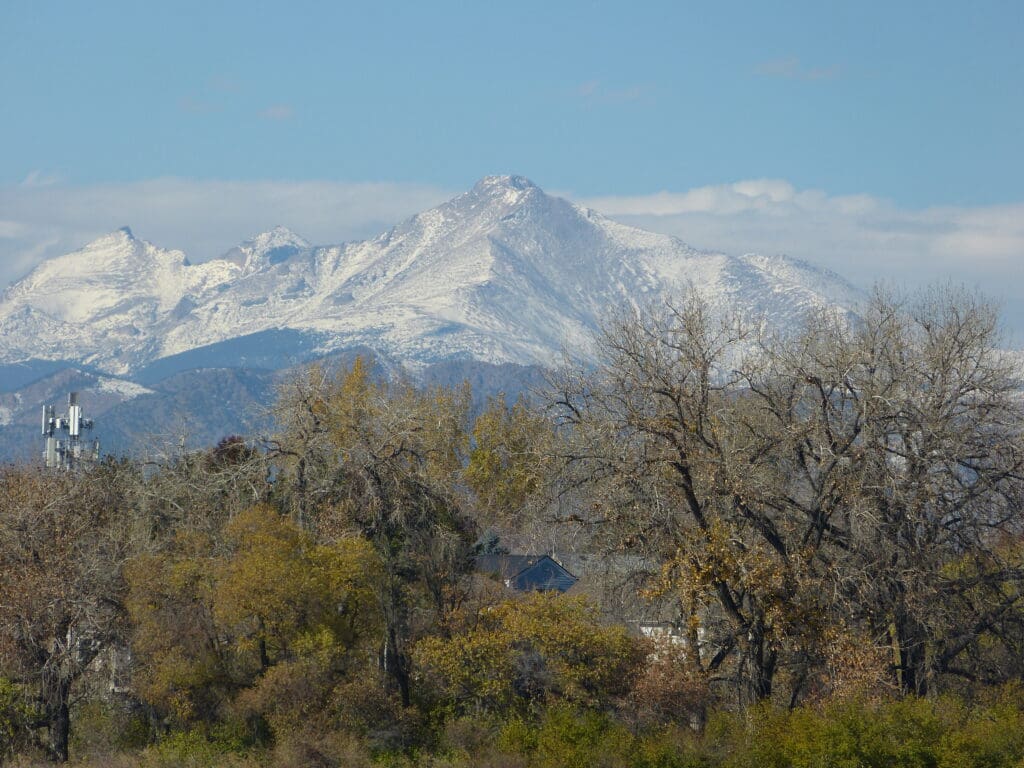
[102, 728]
[302, 750]
[566, 737]
[674, 746]
[192, 749]
[911, 733]
[905, 734]
[991, 736]
[15, 718]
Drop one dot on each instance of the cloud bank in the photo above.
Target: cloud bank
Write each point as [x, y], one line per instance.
[863, 238]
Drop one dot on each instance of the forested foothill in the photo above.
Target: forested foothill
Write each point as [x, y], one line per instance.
[798, 550]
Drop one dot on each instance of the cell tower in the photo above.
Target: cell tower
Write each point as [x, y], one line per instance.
[67, 453]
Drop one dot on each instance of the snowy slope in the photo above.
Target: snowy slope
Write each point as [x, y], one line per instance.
[503, 274]
[103, 303]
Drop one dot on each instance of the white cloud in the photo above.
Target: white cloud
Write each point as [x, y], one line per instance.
[10, 230]
[223, 83]
[864, 238]
[723, 199]
[39, 178]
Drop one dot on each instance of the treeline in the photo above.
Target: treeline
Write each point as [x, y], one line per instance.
[823, 530]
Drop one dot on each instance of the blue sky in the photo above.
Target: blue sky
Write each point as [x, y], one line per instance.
[919, 102]
[912, 111]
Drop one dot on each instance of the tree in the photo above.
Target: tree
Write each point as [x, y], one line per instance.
[861, 472]
[683, 471]
[214, 615]
[198, 491]
[521, 654]
[923, 424]
[388, 460]
[64, 539]
[302, 445]
[508, 464]
[183, 665]
[278, 587]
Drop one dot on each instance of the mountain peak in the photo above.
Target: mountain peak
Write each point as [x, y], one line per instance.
[268, 248]
[500, 192]
[120, 236]
[274, 238]
[518, 183]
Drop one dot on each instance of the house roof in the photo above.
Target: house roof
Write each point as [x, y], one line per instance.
[526, 573]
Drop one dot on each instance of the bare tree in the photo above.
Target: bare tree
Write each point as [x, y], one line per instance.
[661, 437]
[922, 420]
[863, 473]
[302, 445]
[64, 538]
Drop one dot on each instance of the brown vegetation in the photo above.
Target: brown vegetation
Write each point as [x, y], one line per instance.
[827, 527]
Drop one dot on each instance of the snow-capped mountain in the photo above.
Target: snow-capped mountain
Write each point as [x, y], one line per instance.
[501, 274]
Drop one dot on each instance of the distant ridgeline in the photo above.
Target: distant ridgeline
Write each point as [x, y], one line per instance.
[495, 285]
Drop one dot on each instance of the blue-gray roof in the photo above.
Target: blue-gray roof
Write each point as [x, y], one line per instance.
[527, 573]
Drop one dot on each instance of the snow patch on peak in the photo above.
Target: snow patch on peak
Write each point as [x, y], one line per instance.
[267, 249]
[118, 239]
[787, 269]
[506, 190]
[274, 238]
[127, 389]
[520, 183]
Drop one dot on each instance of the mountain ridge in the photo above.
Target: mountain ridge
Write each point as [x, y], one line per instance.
[491, 286]
[503, 273]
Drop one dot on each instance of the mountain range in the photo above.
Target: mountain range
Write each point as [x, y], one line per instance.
[502, 277]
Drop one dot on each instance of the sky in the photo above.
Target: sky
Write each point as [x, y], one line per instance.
[879, 139]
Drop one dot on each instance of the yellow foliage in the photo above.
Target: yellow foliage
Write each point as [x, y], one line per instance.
[508, 461]
[209, 622]
[529, 651]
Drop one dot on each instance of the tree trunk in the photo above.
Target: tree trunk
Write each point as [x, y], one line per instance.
[300, 491]
[762, 666]
[763, 675]
[910, 659]
[60, 722]
[395, 666]
[262, 647]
